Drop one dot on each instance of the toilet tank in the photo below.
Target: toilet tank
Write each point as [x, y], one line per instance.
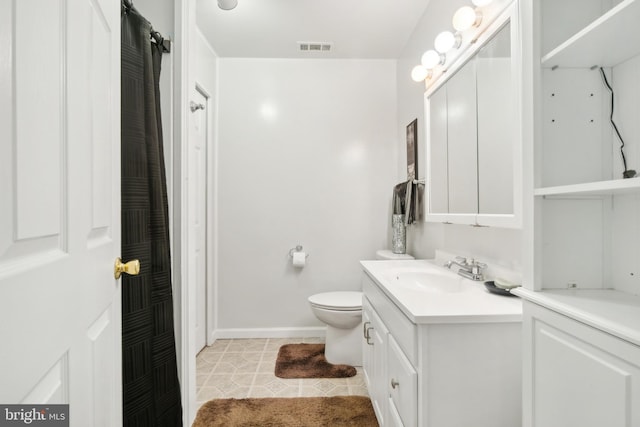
[387, 254]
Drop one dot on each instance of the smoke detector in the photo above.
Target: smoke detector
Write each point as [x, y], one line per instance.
[314, 46]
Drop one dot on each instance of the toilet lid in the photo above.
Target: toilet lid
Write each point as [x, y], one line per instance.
[337, 300]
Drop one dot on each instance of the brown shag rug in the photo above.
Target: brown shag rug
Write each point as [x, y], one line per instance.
[335, 411]
[308, 361]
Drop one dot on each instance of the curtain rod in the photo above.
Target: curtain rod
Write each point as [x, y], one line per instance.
[127, 7]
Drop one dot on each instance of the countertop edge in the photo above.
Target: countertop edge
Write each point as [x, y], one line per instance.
[594, 318]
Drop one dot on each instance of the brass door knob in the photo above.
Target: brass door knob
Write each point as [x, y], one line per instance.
[132, 268]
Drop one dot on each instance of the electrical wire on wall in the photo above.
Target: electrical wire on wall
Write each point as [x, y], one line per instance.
[628, 173]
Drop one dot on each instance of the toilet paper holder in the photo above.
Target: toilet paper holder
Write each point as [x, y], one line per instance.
[298, 248]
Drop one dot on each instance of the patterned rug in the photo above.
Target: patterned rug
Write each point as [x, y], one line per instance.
[308, 361]
[354, 411]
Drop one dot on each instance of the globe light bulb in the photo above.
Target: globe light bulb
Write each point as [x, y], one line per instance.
[465, 18]
[430, 59]
[481, 3]
[445, 41]
[419, 73]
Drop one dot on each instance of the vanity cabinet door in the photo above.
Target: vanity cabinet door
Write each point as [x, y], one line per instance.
[374, 362]
[367, 348]
[402, 386]
[579, 376]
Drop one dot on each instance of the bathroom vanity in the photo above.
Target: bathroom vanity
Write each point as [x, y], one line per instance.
[439, 350]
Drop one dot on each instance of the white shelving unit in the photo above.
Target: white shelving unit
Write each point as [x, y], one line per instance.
[601, 188]
[610, 39]
[606, 42]
[582, 291]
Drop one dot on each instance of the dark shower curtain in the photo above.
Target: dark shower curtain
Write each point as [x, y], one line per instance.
[151, 392]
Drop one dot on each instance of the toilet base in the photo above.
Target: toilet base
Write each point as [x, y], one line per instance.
[344, 346]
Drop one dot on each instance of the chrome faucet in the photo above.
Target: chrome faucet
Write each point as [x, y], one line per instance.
[469, 268]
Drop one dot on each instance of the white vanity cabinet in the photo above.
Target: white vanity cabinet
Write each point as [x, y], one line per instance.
[444, 371]
[578, 376]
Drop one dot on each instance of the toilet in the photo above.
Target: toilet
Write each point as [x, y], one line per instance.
[342, 312]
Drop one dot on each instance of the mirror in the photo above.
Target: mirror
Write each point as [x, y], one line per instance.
[496, 120]
[471, 132]
[438, 182]
[462, 164]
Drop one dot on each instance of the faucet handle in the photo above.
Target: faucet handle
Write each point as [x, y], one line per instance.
[480, 265]
[477, 267]
[461, 260]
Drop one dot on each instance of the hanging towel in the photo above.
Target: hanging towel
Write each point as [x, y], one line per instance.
[408, 200]
[399, 198]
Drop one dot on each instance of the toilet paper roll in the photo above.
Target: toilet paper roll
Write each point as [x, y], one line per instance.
[299, 259]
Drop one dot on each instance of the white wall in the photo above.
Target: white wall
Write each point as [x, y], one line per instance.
[307, 153]
[501, 245]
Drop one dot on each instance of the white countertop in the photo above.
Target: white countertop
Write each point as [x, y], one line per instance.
[474, 304]
[611, 311]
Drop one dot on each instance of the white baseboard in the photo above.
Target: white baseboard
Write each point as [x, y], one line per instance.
[308, 332]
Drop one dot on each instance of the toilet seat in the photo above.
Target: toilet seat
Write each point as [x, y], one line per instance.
[338, 301]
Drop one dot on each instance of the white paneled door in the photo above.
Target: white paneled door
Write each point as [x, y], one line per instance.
[60, 209]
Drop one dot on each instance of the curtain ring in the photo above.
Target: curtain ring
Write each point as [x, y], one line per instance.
[127, 5]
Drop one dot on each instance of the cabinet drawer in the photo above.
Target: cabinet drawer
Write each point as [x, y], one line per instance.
[403, 385]
[404, 332]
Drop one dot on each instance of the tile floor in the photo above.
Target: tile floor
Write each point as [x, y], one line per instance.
[240, 368]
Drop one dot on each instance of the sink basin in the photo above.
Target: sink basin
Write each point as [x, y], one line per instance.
[430, 281]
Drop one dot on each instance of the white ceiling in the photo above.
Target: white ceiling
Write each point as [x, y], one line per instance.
[273, 28]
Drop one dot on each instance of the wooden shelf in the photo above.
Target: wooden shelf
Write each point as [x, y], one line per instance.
[615, 312]
[606, 42]
[601, 188]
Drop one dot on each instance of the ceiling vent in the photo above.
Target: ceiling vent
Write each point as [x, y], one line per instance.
[314, 46]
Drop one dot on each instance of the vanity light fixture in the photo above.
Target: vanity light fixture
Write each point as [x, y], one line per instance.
[466, 17]
[480, 3]
[227, 4]
[446, 40]
[431, 59]
[419, 73]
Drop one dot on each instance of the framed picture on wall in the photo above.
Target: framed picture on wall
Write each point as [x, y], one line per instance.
[412, 150]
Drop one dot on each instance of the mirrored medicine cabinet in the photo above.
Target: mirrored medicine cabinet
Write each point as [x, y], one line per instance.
[474, 133]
